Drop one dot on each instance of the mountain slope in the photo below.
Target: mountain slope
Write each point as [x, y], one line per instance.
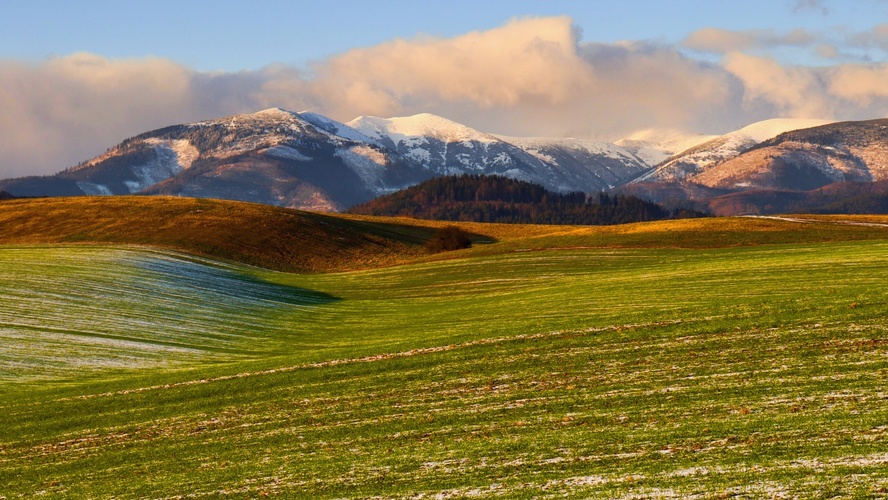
[808, 159]
[834, 198]
[704, 156]
[836, 167]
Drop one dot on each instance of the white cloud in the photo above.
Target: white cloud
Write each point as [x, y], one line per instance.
[864, 85]
[721, 41]
[790, 91]
[69, 108]
[528, 77]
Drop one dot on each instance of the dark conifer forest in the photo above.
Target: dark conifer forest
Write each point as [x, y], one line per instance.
[492, 198]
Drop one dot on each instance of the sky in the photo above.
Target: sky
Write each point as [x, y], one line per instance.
[78, 77]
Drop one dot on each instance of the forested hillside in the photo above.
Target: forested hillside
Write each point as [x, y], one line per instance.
[482, 198]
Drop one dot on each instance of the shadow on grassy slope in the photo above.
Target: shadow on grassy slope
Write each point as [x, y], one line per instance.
[199, 274]
[259, 235]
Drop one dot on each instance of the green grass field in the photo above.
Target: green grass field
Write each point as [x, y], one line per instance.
[718, 358]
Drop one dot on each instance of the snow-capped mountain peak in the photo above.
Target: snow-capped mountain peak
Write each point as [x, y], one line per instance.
[334, 127]
[274, 113]
[764, 130]
[423, 125]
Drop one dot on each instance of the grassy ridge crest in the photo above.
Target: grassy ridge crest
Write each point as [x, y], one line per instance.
[249, 233]
[306, 242]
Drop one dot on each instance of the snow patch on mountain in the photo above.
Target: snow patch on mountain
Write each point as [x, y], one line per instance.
[443, 147]
[93, 189]
[261, 130]
[270, 113]
[335, 128]
[422, 156]
[163, 167]
[368, 162]
[581, 164]
[184, 151]
[285, 152]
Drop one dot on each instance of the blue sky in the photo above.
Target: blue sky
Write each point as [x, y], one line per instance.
[239, 35]
[77, 77]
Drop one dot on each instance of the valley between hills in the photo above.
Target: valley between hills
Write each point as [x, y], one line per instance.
[167, 347]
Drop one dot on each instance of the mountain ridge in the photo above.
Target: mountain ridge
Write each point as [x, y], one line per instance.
[309, 161]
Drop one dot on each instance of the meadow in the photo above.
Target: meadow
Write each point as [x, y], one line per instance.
[716, 358]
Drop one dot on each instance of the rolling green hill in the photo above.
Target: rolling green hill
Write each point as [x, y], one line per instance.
[703, 358]
[249, 233]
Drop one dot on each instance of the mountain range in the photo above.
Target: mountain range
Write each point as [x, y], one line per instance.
[308, 161]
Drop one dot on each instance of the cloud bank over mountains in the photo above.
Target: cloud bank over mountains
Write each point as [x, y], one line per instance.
[529, 77]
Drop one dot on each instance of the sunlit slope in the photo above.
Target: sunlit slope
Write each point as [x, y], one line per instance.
[711, 232]
[750, 371]
[249, 233]
[70, 312]
[306, 242]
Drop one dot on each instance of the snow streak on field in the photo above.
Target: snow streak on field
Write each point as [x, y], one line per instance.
[67, 311]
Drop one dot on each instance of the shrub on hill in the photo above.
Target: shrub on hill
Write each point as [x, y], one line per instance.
[448, 238]
[481, 198]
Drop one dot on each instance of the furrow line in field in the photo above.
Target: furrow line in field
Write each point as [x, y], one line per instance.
[393, 355]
